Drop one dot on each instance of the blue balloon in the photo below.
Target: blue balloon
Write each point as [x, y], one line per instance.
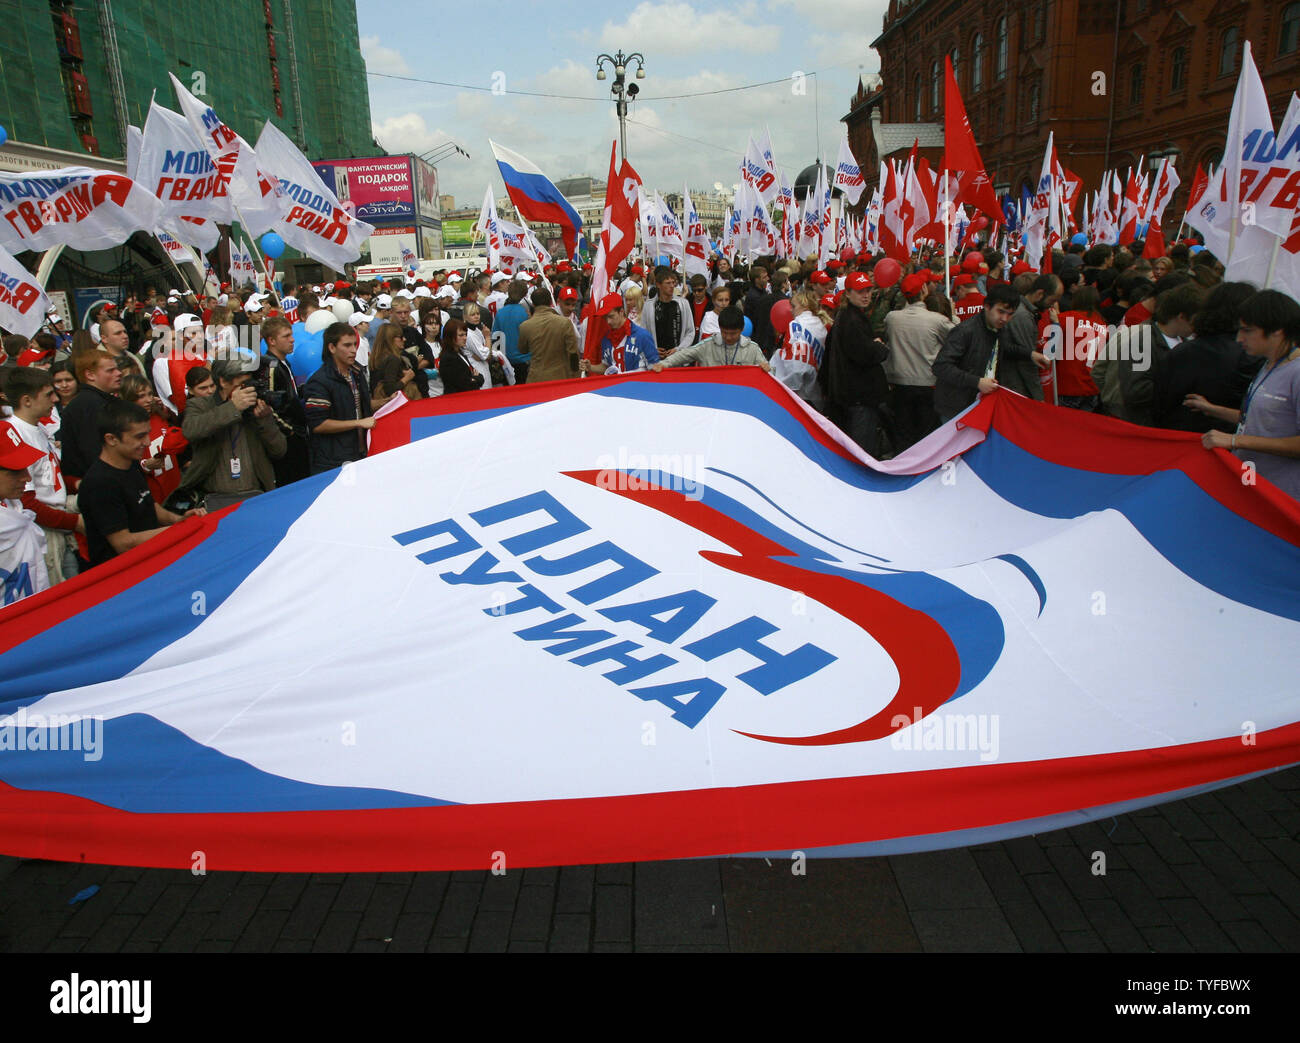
[272, 245]
[4, 135]
[1079, 239]
[748, 328]
[1195, 249]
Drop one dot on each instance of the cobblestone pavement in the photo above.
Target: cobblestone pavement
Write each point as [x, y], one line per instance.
[1216, 873]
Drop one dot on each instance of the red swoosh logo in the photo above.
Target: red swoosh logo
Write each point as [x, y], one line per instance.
[929, 669]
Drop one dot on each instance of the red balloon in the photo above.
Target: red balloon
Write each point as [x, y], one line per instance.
[886, 272]
[781, 316]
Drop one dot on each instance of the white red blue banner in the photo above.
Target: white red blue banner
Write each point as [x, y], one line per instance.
[661, 616]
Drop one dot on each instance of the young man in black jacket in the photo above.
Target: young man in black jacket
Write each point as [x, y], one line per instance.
[337, 402]
[975, 352]
[856, 384]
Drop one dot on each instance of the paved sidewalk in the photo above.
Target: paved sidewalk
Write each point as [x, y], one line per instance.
[1217, 873]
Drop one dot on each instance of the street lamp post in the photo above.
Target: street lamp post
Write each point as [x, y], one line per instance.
[624, 93]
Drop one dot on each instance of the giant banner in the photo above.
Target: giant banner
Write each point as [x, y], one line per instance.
[661, 616]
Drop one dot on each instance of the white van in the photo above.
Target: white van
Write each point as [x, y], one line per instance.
[423, 270]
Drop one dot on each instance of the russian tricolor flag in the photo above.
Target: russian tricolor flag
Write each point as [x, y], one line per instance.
[536, 197]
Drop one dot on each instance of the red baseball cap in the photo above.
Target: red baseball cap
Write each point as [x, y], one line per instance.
[834, 265]
[1021, 267]
[15, 454]
[586, 268]
[966, 279]
[820, 278]
[831, 301]
[637, 270]
[611, 301]
[857, 281]
[30, 356]
[913, 284]
[564, 266]
[341, 285]
[569, 294]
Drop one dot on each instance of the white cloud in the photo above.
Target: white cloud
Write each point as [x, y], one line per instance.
[682, 28]
[383, 59]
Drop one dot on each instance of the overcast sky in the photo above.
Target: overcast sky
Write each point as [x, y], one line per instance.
[689, 47]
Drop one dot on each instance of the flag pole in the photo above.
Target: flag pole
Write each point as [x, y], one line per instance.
[244, 225]
[947, 235]
[1272, 263]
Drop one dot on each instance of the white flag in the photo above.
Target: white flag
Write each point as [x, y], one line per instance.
[176, 167]
[73, 206]
[315, 223]
[255, 193]
[696, 261]
[848, 175]
[23, 303]
[755, 173]
[670, 231]
[489, 227]
[176, 250]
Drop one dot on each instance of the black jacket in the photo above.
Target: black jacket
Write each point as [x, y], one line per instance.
[456, 374]
[962, 361]
[1216, 367]
[327, 396]
[79, 435]
[856, 374]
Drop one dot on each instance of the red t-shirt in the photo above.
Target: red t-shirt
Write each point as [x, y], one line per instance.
[1137, 314]
[1083, 338]
[971, 304]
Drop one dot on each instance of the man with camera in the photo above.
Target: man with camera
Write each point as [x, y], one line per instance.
[234, 437]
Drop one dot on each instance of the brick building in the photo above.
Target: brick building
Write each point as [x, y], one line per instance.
[1115, 80]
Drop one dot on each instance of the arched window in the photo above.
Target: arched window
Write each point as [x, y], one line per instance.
[956, 63]
[1289, 39]
[1000, 61]
[916, 90]
[977, 63]
[1178, 68]
[1135, 84]
[1228, 52]
[936, 73]
[1033, 104]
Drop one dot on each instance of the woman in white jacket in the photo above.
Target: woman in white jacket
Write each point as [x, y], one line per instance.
[796, 362]
[478, 351]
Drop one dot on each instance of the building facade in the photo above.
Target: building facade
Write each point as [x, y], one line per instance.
[1117, 81]
[73, 75]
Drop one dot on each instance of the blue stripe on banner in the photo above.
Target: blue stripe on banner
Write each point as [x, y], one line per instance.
[1184, 524]
[756, 405]
[538, 188]
[161, 608]
[137, 763]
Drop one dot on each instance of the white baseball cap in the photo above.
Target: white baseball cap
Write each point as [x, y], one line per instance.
[358, 318]
[185, 321]
[254, 303]
[448, 292]
[423, 291]
[383, 301]
[453, 277]
[500, 277]
[405, 293]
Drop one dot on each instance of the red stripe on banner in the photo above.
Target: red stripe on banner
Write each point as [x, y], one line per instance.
[395, 429]
[1088, 442]
[928, 667]
[690, 823]
[34, 615]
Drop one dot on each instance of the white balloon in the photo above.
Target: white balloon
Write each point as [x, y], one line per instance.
[319, 320]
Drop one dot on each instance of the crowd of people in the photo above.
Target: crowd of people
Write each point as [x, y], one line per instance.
[172, 404]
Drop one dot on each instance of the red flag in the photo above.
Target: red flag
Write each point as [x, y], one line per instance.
[960, 153]
[1199, 184]
[617, 237]
[892, 227]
